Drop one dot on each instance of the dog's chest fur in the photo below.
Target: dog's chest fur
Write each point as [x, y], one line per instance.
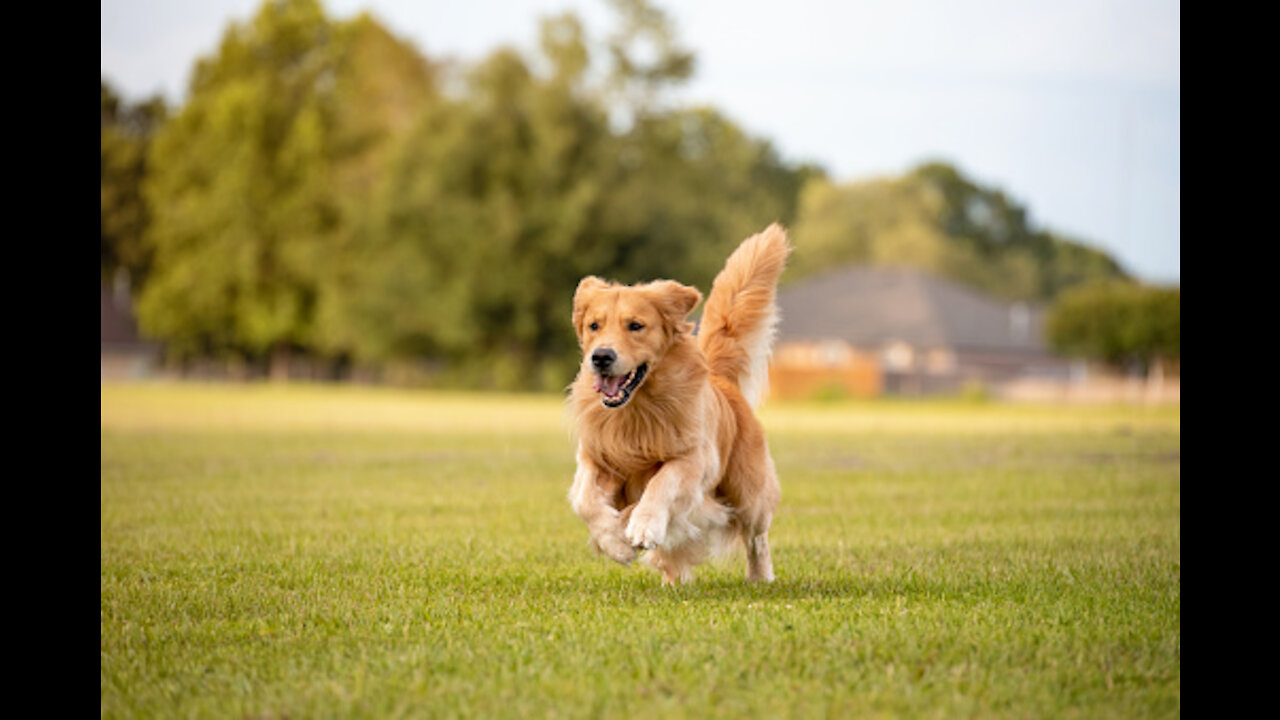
[664, 421]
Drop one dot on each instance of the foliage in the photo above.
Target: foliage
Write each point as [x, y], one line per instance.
[477, 223]
[326, 189]
[316, 193]
[503, 196]
[1121, 324]
[687, 187]
[937, 219]
[255, 178]
[646, 59]
[127, 130]
[348, 552]
[242, 191]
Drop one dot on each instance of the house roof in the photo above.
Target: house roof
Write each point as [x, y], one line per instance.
[873, 306]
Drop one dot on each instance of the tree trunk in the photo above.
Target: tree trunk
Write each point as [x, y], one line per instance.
[280, 357]
[1155, 381]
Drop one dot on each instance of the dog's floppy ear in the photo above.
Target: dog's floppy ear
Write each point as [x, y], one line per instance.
[581, 297]
[675, 301]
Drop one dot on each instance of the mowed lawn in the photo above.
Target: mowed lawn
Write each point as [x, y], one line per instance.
[309, 552]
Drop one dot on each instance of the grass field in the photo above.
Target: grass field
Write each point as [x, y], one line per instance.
[340, 552]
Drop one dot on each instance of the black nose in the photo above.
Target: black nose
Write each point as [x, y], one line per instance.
[602, 358]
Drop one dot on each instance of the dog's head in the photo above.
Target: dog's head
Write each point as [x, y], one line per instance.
[625, 330]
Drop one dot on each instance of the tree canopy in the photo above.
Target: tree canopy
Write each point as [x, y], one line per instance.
[127, 130]
[255, 179]
[1125, 325]
[328, 189]
[937, 219]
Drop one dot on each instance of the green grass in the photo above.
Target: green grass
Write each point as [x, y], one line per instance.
[343, 552]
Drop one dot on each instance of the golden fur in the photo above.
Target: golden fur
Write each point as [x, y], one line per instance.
[682, 463]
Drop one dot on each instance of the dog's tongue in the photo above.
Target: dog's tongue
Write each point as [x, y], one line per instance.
[608, 384]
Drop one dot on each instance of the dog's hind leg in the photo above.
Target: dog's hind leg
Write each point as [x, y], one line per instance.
[759, 562]
[755, 496]
[676, 565]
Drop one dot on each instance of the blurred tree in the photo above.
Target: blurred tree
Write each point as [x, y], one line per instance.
[127, 131]
[997, 229]
[317, 193]
[646, 59]
[285, 128]
[242, 190]
[485, 217]
[506, 194]
[936, 219]
[383, 86]
[685, 187]
[1124, 325]
[1067, 263]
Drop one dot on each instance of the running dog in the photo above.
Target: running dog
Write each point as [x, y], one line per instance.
[671, 457]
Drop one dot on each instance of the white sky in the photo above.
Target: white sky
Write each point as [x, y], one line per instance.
[1070, 107]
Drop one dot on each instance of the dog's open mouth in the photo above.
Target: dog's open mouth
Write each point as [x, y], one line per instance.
[617, 389]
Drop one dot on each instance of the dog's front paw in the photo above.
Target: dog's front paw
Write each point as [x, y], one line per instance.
[615, 546]
[646, 531]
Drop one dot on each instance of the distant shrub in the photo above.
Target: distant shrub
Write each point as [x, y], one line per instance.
[1120, 324]
[975, 391]
[832, 392]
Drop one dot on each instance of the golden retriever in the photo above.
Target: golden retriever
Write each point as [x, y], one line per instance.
[671, 457]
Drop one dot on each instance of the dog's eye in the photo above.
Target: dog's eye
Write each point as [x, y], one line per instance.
[594, 326]
[635, 326]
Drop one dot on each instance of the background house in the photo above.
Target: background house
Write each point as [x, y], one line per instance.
[867, 331]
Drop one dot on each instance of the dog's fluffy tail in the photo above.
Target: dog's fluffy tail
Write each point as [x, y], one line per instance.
[740, 318]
